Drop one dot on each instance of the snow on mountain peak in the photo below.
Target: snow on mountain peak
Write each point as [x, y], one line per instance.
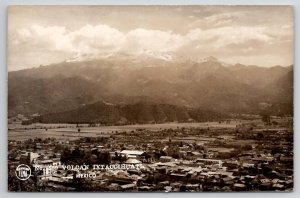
[209, 59]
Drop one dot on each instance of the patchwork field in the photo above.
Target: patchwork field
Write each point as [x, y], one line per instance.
[68, 131]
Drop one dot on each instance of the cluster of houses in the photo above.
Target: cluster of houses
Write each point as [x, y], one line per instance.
[169, 160]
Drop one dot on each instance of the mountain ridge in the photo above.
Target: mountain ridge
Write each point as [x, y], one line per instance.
[208, 84]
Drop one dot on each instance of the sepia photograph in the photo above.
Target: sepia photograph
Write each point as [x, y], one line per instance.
[150, 98]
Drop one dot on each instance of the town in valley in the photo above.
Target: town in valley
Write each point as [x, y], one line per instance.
[229, 155]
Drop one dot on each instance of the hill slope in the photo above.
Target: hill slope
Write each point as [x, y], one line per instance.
[210, 85]
[141, 112]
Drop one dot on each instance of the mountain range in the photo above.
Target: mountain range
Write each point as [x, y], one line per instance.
[123, 88]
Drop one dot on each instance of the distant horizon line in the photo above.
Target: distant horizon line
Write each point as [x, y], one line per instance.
[176, 60]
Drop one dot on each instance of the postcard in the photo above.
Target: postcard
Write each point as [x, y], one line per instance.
[189, 98]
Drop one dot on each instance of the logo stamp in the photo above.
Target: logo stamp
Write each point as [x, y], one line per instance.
[23, 172]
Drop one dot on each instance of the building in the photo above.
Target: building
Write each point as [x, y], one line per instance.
[133, 154]
[28, 157]
[166, 159]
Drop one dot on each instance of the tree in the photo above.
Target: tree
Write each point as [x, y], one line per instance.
[260, 136]
[266, 118]
[182, 188]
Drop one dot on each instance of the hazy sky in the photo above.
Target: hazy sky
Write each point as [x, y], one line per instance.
[41, 35]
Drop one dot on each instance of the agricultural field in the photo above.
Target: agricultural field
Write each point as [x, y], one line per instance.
[70, 132]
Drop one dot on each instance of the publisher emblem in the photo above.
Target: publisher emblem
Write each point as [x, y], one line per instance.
[23, 172]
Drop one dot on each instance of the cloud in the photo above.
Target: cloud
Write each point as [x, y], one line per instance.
[103, 38]
[140, 40]
[192, 32]
[97, 39]
[221, 37]
[216, 20]
[91, 41]
[51, 37]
